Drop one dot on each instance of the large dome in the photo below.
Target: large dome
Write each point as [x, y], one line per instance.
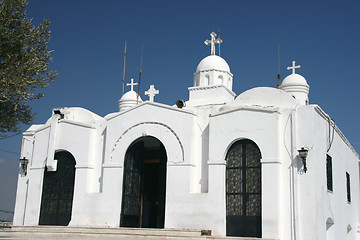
[213, 62]
[263, 97]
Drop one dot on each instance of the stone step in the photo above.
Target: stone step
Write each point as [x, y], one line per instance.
[60, 232]
[108, 231]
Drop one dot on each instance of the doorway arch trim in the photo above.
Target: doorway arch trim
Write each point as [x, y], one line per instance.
[155, 129]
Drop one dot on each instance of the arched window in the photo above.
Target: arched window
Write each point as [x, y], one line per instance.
[221, 80]
[207, 80]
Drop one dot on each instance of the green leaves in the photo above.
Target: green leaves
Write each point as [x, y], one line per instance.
[24, 64]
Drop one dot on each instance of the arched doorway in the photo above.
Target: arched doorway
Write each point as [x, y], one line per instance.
[243, 190]
[58, 190]
[144, 184]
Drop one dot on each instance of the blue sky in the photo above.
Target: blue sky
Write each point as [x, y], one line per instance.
[88, 42]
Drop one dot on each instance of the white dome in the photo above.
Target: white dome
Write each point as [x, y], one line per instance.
[213, 62]
[296, 86]
[294, 80]
[78, 114]
[129, 96]
[265, 97]
[128, 100]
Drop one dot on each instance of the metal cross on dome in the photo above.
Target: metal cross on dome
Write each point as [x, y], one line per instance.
[293, 67]
[151, 93]
[212, 42]
[132, 84]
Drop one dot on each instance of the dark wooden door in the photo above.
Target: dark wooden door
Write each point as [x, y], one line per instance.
[243, 190]
[144, 186]
[154, 188]
[58, 190]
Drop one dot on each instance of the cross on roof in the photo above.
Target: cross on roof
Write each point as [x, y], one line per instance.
[212, 42]
[132, 84]
[293, 67]
[151, 93]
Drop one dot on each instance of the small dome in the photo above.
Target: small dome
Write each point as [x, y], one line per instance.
[294, 80]
[128, 100]
[129, 96]
[296, 86]
[213, 62]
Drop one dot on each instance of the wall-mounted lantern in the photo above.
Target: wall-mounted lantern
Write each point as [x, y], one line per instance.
[303, 155]
[24, 162]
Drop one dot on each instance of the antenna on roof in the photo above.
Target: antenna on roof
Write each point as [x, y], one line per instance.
[141, 61]
[123, 79]
[220, 41]
[278, 76]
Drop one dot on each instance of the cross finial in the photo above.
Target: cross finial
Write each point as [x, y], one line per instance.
[151, 93]
[293, 67]
[132, 84]
[212, 42]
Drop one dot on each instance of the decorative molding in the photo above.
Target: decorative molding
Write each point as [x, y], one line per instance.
[36, 167]
[85, 166]
[171, 164]
[248, 108]
[274, 162]
[270, 161]
[216, 70]
[201, 88]
[211, 162]
[108, 165]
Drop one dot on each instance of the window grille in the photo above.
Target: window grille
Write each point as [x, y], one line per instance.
[329, 175]
[348, 187]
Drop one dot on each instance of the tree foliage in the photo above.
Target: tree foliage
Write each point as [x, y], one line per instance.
[24, 64]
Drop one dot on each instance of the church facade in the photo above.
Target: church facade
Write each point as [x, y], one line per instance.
[265, 163]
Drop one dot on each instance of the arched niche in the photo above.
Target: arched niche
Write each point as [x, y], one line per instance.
[58, 191]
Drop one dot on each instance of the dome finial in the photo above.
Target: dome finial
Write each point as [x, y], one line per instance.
[212, 42]
[132, 84]
[296, 85]
[293, 67]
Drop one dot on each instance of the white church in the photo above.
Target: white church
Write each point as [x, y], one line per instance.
[265, 163]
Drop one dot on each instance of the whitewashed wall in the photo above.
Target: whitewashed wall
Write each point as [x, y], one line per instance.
[294, 204]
